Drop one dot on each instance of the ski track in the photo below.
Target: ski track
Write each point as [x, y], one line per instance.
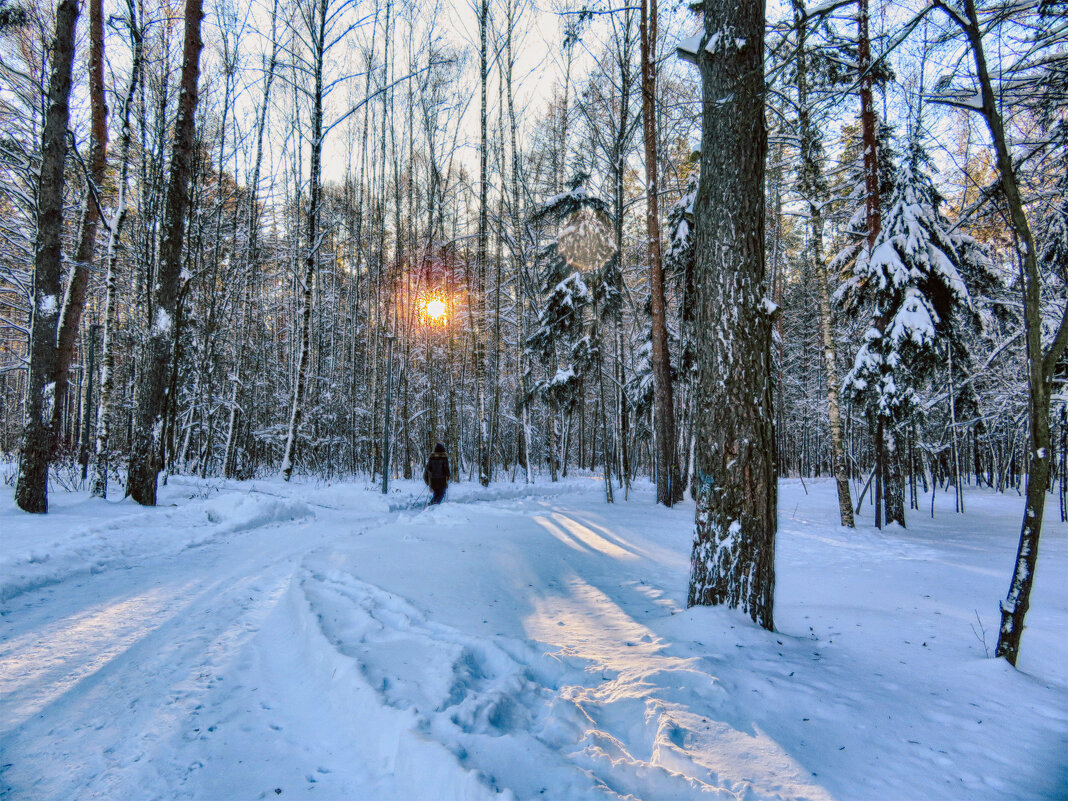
[256, 658]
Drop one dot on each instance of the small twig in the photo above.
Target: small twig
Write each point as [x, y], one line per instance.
[982, 631]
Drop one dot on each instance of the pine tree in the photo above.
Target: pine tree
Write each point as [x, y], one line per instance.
[733, 556]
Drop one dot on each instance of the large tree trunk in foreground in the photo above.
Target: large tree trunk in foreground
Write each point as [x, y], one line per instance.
[733, 560]
[155, 363]
[31, 491]
[74, 301]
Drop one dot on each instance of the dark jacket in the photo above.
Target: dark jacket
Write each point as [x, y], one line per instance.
[436, 474]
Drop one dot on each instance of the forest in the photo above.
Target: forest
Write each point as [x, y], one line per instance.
[710, 245]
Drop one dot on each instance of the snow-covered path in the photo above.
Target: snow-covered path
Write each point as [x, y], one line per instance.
[271, 641]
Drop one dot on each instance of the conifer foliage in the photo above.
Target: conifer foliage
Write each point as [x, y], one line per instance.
[562, 340]
[915, 284]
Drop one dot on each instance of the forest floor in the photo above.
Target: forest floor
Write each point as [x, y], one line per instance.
[249, 640]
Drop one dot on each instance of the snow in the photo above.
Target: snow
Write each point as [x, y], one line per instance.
[46, 305]
[48, 400]
[563, 376]
[688, 48]
[275, 640]
[162, 324]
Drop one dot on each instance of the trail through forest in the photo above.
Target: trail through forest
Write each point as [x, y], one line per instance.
[264, 640]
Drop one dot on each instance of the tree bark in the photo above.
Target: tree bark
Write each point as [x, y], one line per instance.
[733, 559]
[479, 356]
[31, 489]
[152, 377]
[872, 201]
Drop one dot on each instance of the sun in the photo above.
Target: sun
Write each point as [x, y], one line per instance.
[434, 309]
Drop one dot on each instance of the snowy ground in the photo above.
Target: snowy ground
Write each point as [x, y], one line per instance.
[261, 640]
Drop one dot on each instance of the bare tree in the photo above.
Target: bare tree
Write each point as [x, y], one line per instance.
[483, 438]
[813, 193]
[74, 300]
[99, 486]
[156, 358]
[667, 476]
[1041, 361]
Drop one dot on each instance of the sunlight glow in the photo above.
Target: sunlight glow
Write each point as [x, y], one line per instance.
[435, 309]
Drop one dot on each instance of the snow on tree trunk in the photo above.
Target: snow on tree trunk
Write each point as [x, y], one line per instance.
[31, 490]
[156, 359]
[733, 559]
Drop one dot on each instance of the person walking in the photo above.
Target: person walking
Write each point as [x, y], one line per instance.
[436, 473]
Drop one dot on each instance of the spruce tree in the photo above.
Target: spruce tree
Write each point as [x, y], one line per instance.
[563, 339]
[915, 283]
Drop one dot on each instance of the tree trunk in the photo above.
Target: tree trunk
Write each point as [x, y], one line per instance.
[152, 377]
[31, 490]
[811, 184]
[1040, 364]
[893, 479]
[74, 300]
[733, 560]
[872, 201]
[517, 252]
[83, 442]
[479, 356]
[667, 476]
[99, 487]
[311, 260]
